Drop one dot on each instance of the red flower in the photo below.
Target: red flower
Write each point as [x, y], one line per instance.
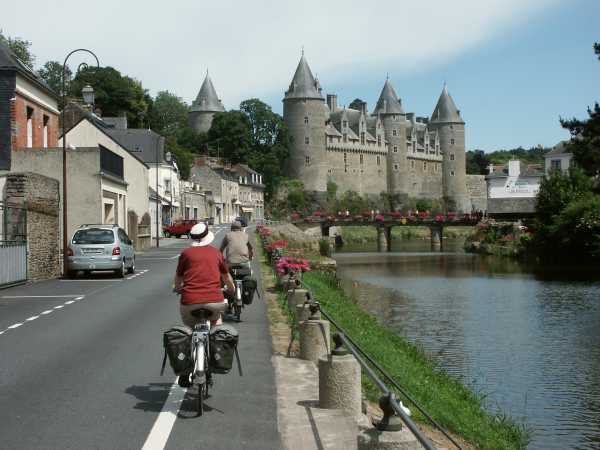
[380, 217]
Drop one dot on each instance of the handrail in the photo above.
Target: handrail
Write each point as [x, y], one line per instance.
[356, 349]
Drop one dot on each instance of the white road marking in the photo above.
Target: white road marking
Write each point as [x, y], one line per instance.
[100, 280]
[48, 311]
[16, 325]
[29, 319]
[69, 302]
[59, 306]
[159, 434]
[80, 298]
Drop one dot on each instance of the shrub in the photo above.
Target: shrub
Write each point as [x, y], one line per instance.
[324, 247]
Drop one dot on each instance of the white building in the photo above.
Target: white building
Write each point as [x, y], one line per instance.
[512, 188]
[558, 158]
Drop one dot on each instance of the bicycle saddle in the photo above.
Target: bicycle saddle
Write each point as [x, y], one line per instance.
[201, 313]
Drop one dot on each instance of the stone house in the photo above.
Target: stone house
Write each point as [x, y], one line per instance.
[252, 192]
[28, 109]
[558, 158]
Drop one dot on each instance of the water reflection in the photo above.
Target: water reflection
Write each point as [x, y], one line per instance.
[530, 344]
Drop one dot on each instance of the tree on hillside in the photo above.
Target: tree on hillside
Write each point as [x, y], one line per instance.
[585, 137]
[168, 114]
[51, 73]
[20, 47]
[231, 135]
[115, 94]
[477, 162]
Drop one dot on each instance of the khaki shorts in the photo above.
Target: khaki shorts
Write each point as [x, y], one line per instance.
[216, 308]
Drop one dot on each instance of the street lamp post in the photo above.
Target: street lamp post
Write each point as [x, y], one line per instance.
[157, 201]
[88, 97]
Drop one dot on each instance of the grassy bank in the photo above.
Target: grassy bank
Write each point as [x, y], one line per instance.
[448, 401]
[368, 234]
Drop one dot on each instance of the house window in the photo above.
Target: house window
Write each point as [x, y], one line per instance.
[195, 213]
[555, 164]
[112, 164]
[394, 133]
[306, 140]
[307, 161]
[451, 156]
[46, 120]
[306, 119]
[29, 127]
[452, 173]
[395, 149]
[362, 138]
[396, 167]
[452, 141]
[361, 159]
[412, 164]
[378, 160]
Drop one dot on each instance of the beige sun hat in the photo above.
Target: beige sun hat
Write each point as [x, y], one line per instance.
[201, 234]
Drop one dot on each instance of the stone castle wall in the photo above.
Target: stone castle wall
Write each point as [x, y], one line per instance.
[477, 191]
[200, 121]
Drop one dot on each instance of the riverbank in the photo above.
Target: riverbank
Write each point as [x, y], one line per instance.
[366, 235]
[447, 400]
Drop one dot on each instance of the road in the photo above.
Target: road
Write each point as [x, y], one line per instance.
[80, 363]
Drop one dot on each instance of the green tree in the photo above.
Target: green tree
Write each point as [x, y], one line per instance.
[116, 94]
[20, 47]
[183, 156]
[295, 198]
[231, 134]
[557, 190]
[51, 73]
[168, 114]
[585, 141]
[477, 162]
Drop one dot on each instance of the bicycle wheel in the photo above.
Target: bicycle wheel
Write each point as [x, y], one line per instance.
[238, 312]
[201, 390]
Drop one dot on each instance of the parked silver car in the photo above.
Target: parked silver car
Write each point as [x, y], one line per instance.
[100, 247]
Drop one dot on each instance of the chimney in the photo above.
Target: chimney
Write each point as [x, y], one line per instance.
[332, 102]
[514, 168]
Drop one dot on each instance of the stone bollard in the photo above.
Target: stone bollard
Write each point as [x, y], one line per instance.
[302, 312]
[295, 297]
[314, 339]
[339, 383]
[382, 239]
[436, 239]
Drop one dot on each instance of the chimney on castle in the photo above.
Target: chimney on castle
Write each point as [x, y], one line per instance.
[332, 102]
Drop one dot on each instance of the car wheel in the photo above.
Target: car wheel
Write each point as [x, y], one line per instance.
[132, 268]
[71, 274]
[121, 272]
[87, 273]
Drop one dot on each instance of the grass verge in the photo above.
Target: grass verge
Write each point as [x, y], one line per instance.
[452, 404]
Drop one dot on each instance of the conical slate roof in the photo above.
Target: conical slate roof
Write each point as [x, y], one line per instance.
[207, 99]
[303, 84]
[445, 111]
[388, 102]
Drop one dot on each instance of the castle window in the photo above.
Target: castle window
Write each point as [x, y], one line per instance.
[361, 159]
[306, 140]
[379, 141]
[452, 173]
[345, 158]
[396, 167]
[452, 127]
[378, 160]
[452, 141]
[305, 119]
[307, 161]
[451, 156]
[345, 137]
[424, 166]
[394, 133]
[395, 149]
[345, 124]
[362, 138]
[412, 164]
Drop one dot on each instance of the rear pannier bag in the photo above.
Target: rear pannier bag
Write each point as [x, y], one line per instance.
[248, 290]
[177, 342]
[223, 347]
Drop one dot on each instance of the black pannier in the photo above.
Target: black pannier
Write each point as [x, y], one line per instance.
[223, 347]
[248, 289]
[177, 342]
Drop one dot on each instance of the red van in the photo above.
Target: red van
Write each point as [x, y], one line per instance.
[179, 228]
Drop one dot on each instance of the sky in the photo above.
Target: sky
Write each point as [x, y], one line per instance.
[513, 67]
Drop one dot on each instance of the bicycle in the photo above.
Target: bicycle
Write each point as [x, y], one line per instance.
[238, 272]
[201, 374]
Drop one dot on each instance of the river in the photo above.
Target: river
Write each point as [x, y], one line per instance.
[530, 344]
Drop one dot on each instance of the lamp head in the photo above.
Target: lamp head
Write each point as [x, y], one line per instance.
[88, 94]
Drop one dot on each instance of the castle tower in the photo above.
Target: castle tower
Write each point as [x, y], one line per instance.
[451, 129]
[205, 106]
[304, 113]
[393, 117]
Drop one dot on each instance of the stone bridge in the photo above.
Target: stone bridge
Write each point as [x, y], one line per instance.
[384, 226]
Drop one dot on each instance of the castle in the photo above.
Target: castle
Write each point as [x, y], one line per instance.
[386, 151]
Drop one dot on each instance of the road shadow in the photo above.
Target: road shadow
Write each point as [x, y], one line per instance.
[152, 396]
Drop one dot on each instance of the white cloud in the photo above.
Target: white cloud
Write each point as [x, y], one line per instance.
[252, 47]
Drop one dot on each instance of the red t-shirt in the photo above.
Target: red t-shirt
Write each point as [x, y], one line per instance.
[201, 269]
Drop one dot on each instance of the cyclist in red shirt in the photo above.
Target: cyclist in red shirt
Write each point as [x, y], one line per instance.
[200, 271]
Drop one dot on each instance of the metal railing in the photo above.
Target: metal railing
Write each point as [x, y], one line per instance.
[388, 402]
[13, 262]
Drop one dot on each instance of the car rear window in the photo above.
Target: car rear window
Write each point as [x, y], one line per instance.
[94, 236]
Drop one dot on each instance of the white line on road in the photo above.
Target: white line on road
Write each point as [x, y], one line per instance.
[39, 296]
[69, 302]
[29, 319]
[159, 434]
[48, 311]
[99, 280]
[16, 325]
[59, 306]
[79, 298]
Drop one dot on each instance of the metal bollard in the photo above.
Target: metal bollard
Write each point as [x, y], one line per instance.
[339, 383]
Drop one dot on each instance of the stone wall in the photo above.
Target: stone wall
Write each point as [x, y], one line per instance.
[477, 191]
[39, 196]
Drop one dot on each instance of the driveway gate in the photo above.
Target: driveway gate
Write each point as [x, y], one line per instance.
[13, 245]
